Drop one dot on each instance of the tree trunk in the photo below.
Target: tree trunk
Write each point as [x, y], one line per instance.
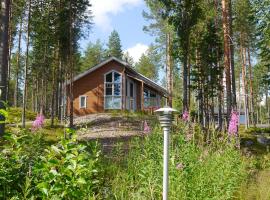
[243, 58]
[26, 65]
[71, 67]
[5, 7]
[169, 66]
[9, 48]
[226, 28]
[266, 103]
[234, 104]
[251, 88]
[185, 82]
[220, 77]
[53, 99]
[18, 64]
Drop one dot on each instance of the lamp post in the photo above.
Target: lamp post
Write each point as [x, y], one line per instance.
[166, 119]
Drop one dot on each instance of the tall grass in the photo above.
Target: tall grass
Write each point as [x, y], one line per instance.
[213, 171]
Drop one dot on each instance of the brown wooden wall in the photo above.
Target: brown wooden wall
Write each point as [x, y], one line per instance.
[92, 85]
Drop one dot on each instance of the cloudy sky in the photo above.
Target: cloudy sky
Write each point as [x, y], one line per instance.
[125, 16]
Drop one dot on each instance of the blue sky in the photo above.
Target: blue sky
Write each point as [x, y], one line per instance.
[125, 16]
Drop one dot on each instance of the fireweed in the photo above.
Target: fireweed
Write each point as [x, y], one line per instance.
[146, 128]
[233, 124]
[38, 123]
[185, 116]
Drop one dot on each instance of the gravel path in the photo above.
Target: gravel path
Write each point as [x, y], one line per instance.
[107, 125]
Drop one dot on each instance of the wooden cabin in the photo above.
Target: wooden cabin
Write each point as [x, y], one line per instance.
[114, 85]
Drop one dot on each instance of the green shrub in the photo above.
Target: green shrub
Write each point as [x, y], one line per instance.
[29, 168]
[17, 155]
[15, 115]
[258, 130]
[68, 170]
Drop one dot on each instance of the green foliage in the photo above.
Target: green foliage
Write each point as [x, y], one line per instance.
[214, 171]
[257, 130]
[29, 168]
[128, 58]
[15, 115]
[261, 8]
[67, 170]
[149, 64]
[93, 55]
[114, 45]
[17, 156]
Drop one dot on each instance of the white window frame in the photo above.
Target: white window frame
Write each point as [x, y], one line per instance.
[80, 101]
[113, 96]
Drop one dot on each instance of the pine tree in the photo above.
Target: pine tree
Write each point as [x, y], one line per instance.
[165, 36]
[148, 64]
[183, 15]
[4, 21]
[93, 55]
[114, 45]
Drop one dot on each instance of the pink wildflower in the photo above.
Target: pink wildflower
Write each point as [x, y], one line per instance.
[180, 166]
[146, 128]
[185, 116]
[233, 124]
[38, 123]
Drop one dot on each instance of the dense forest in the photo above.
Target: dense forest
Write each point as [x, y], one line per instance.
[215, 55]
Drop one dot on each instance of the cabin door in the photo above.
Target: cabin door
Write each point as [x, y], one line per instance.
[131, 95]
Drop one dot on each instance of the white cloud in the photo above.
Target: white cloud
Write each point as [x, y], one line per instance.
[136, 51]
[102, 9]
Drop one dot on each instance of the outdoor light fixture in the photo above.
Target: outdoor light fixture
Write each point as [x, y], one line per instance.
[166, 119]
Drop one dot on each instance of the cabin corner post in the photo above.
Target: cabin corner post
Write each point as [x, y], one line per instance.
[124, 90]
[142, 96]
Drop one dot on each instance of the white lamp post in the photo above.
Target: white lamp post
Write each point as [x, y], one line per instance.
[166, 119]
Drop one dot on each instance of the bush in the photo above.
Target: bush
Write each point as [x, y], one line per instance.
[68, 170]
[29, 168]
[17, 156]
[15, 115]
[257, 130]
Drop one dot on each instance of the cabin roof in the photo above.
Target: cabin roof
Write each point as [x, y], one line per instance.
[135, 74]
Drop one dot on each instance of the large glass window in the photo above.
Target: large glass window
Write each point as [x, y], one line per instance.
[150, 98]
[113, 89]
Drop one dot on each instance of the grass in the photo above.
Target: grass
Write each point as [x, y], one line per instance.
[256, 187]
[50, 135]
[198, 170]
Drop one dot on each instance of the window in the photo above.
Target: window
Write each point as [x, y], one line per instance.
[150, 98]
[82, 101]
[113, 88]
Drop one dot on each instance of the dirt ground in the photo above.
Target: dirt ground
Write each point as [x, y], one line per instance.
[108, 125]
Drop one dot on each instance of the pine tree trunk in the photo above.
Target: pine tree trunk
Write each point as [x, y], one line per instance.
[169, 66]
[61, 94]
[5, 7]
[220, 92]
[18, 66]
[71, 67]
[26, 65]
[227, 68]
[53, 99]
[243, 58]
[251, 88]
[9, 49]
[185, 83]
[231, 47]
[266, 103]
[189, 81]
